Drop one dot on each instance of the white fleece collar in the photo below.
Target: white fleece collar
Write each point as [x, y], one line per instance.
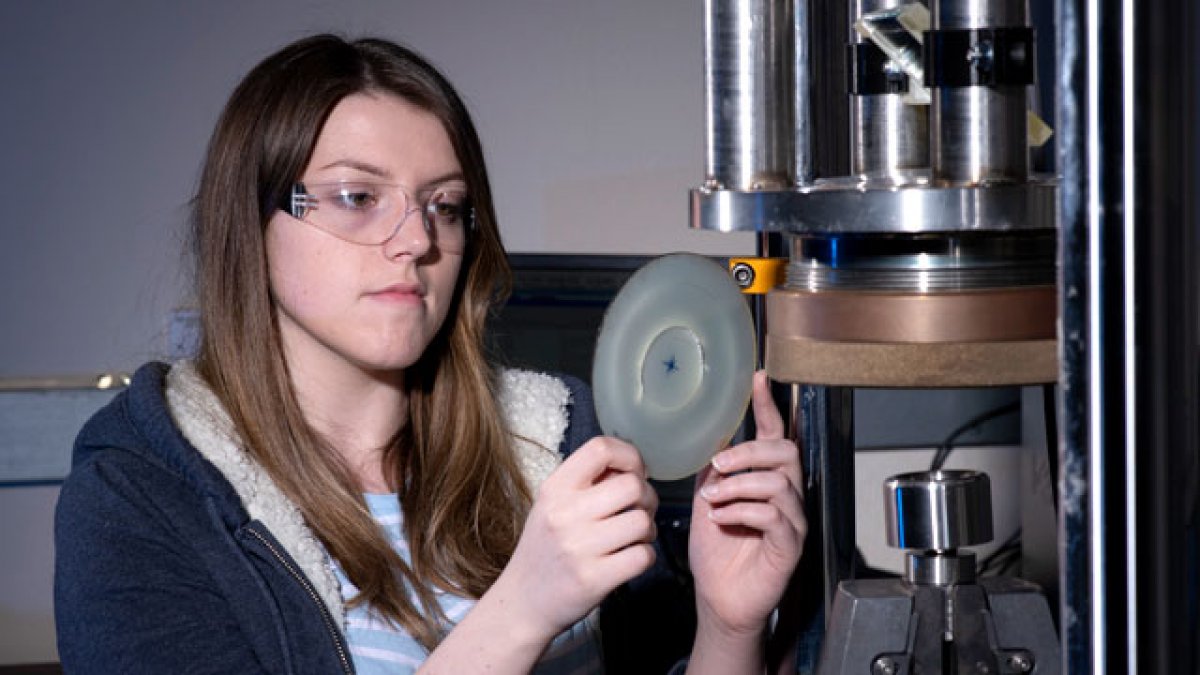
[206, 425]
[534, 407]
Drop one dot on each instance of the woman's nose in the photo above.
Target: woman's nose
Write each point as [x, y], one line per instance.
[410, 237]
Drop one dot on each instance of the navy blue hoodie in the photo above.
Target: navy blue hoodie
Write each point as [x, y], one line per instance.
[160, 569]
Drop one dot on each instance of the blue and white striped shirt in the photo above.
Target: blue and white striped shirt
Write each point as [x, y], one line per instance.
[378, 647]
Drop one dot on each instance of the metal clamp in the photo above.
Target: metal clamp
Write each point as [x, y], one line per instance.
[756, 276]
[975, 57]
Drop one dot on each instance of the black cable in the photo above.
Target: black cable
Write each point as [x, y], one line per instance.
[943, 451]
[1004, 558]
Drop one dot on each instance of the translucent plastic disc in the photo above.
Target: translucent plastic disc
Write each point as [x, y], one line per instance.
[674, 363]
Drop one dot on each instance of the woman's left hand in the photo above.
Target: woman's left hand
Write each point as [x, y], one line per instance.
[748, 526]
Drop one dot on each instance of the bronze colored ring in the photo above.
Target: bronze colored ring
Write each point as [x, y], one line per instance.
[988, 315]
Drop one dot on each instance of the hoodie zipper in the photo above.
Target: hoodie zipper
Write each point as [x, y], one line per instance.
[312, 593]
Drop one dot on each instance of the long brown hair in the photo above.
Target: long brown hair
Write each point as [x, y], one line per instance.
[460, 487]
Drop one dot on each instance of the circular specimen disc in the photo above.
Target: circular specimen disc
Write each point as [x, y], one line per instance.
[674, 363]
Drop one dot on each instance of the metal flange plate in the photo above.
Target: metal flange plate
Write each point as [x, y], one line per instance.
[850, 206]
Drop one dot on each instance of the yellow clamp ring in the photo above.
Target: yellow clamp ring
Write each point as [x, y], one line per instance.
[756, 276]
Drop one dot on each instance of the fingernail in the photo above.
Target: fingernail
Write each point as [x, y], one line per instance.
[712, 515]
[709, 491]
[716, 462]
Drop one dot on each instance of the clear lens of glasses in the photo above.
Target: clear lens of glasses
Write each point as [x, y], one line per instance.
[371, 213]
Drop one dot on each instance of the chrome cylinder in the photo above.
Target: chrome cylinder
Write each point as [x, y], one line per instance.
[940, 569]
[978, 13]
[978, 134]
[748, 83]
[829, 432]
[938, 510]
[889, 139]
[803, 88]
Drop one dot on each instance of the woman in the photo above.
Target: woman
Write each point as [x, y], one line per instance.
[340, 482]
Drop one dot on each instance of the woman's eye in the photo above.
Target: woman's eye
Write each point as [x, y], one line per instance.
[448, 207]
[448, 212]
[355, 199]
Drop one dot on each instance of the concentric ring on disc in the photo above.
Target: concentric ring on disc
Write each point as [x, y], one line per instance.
[674, 363]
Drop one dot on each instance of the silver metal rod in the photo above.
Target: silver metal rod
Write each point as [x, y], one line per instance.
[1153, 167]
[1074, 505]
[888, 137]
[978, 134]
[829, 443]
[802, 95]
[1100, 456]
[1128, 294]
[748, 94]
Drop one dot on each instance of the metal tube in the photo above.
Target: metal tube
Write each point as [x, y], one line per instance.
[888, 137]
[978, 133]
[803, 608]
[749, 133]
[829, 442]
[1076, 608]
[1130, 439]
[802, 95]
[1100, 454]
[1162, 299]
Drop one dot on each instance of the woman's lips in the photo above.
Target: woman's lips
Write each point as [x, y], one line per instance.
[399, 293]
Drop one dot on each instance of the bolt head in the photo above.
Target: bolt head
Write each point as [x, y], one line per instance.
[743, 275]
[883, 666]
[1020, 663]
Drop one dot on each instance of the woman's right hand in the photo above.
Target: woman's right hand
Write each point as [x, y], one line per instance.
[589, 531]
